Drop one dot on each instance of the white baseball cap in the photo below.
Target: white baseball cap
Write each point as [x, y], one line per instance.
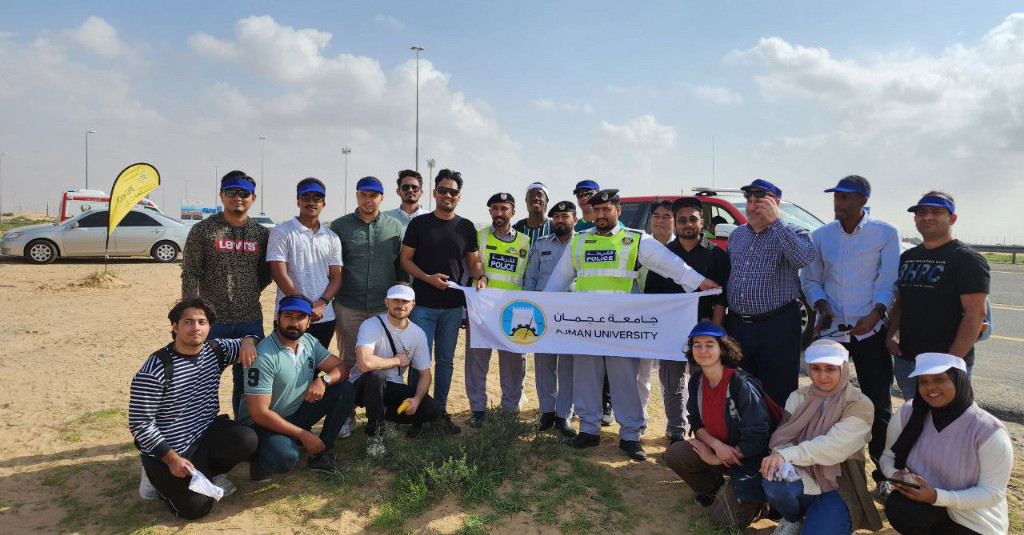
[826, 352]
[933, 363]
[401, 291]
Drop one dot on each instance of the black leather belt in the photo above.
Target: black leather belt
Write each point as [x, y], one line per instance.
[758, 318]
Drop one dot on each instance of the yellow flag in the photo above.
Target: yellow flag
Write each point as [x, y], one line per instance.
[129, 188]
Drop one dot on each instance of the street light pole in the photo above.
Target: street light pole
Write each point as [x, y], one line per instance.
[2, 154]
[263, 151]
[417, 49]
[345, 151]
[430, 180]
[216, 186]
[87, 132]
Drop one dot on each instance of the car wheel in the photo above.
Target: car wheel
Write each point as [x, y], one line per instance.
[41, 252]
[808, 316]
[164, 251]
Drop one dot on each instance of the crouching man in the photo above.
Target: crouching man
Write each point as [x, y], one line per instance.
[173, 412]
[386, 345]
[285, 395]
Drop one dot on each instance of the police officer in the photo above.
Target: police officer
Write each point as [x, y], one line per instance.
[504, 253]
[611, 266]
[552, 371]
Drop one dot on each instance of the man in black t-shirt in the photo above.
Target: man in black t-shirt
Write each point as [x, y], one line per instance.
[433, 251]
[943, 285]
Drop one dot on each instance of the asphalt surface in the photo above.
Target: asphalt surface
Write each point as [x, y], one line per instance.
[998, 376]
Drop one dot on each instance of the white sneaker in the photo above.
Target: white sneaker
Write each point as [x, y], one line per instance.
[225, 484]
[146, 489]
[786, 527]
[346, 430]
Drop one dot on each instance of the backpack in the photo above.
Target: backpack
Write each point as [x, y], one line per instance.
[164, 354]
[774, 410]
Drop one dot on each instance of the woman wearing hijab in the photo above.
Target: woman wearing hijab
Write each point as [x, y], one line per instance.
[814, 476]
[948, 460]
[731, 423]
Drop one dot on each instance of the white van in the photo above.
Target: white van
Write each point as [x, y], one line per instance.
[76, 201]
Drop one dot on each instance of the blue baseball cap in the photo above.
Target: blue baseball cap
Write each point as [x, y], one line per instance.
[707, 328]
[369, 183]
[237, 183]
[311, 187]
[296, 303]
[933, 200]
[586, 184]
[765, 185]
[850, 185]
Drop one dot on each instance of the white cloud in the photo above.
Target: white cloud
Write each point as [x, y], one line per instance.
[642, 134]
[547, 104]
[544, 104]
[388, 21]
[98, 36]
[715, 95]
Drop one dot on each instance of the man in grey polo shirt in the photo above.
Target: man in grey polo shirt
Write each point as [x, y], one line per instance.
[410, 189]
[553, 372]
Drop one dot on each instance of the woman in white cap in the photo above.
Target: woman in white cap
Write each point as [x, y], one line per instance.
[948, 460]
[814, 476]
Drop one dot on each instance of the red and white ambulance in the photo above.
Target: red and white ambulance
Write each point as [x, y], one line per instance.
[76, 201]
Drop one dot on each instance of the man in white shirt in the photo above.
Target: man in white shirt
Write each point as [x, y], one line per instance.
[410, 189]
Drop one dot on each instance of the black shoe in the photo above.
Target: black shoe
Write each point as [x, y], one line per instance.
[546, 421]
[326, 463]
[633, 449]
[446, 425]
[257, 474]
[706, 499]
[584, 440]
[415, 430]
[477, 420]
[608, 417]
[564, 427]
[672, 439]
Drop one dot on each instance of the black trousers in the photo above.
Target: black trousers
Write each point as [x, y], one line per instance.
[771, 350]
[382, 399]
[873, 363]
[915, 518]
[323, 332]
[224, 444]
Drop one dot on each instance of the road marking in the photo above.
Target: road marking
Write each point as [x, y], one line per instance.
[1008, 272]
[1007, 338]
[1001, 306]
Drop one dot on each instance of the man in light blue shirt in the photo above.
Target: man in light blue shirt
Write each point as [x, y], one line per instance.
[410, 189]
[852, 283]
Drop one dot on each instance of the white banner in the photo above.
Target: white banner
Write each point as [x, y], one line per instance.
[626, 325]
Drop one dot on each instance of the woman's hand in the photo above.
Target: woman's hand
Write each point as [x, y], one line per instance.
[771, 465]
[925, 494]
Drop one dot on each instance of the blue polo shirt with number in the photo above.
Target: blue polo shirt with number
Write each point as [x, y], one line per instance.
[282, 374]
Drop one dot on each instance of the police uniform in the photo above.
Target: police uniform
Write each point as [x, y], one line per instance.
[608, 263]
[504, 260]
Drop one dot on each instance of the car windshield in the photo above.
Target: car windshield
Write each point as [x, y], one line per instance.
[791, 213]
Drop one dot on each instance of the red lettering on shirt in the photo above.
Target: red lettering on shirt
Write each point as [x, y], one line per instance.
[242, 246]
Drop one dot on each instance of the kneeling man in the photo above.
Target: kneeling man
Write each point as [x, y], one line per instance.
[286, 394]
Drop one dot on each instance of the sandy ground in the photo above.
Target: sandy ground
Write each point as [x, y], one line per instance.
[71, 344]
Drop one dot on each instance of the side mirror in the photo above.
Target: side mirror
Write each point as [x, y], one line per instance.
[74, 225]
[723, 230]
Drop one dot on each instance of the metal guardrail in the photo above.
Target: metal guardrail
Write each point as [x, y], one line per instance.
[1012, 249]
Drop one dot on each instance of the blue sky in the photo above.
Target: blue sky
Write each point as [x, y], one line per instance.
[913, 96]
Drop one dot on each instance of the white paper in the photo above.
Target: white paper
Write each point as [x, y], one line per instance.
[201, 485]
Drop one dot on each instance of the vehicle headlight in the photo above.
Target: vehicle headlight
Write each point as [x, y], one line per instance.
[11, 235]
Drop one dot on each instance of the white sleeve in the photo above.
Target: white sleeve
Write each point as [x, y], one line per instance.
[656, 257]
[419, 357]
[277, 245]
[369, 332]
[996, 457]
[335, 259]
[846, 437]
[564, 272]
[887, 464]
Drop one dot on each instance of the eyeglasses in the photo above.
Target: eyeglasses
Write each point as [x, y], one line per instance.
[311, 198]
[692, 219]
[757, 194]
[441, 190]
[232, 193]
[410, 187]
[584, 193]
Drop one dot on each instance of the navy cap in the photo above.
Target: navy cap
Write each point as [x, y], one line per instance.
[765, 185]
[933, 200]
[686, 201]
[501, 197]
[603, 196]
[311, 187]
[852, 186]
[296, 303]
[562, 206]
[369, 183]
[237, 183]
[707, 328]
[585, 185]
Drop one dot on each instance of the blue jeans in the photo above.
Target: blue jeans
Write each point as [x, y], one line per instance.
[902, 368]
[441, 326]
[236, 330]
[822, 514]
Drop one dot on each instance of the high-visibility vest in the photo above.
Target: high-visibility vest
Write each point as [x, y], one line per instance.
[504, 262]
[606, 264]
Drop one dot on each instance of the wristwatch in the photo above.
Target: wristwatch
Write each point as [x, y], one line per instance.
[326, 379]
[880, 308]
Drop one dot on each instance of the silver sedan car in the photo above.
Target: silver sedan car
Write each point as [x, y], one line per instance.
[141, 233]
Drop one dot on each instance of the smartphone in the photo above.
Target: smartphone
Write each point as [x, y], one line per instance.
[902, 482]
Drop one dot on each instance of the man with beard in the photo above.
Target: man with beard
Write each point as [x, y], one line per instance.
[589, 258]
[410, 189]
[225, 261]
[172, 412]
[305, 258]
[553, 372]
[293, 384]
[504, 255]
[387, 344]
[435, 249]
[535, 224]
[699, 253]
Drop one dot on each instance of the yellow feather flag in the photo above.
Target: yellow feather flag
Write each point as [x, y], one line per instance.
[130, 186]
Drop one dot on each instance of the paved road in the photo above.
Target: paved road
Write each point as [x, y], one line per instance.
[998, 376]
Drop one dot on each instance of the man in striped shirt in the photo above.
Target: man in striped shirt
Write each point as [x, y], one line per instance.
[174, 406]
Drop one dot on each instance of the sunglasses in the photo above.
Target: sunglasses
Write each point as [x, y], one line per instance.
[311, 198]
[441, 190]
[692, 219]
[584, 193]
[410, 187]
[232, 193]
[757, 194]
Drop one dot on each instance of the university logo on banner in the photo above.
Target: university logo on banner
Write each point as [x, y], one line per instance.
[522, 322]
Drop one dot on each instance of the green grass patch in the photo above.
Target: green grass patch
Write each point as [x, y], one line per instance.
[76, 512]
[15, 222]
[999, 258]
[475, 524]
[58, 477]
[587, 490]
